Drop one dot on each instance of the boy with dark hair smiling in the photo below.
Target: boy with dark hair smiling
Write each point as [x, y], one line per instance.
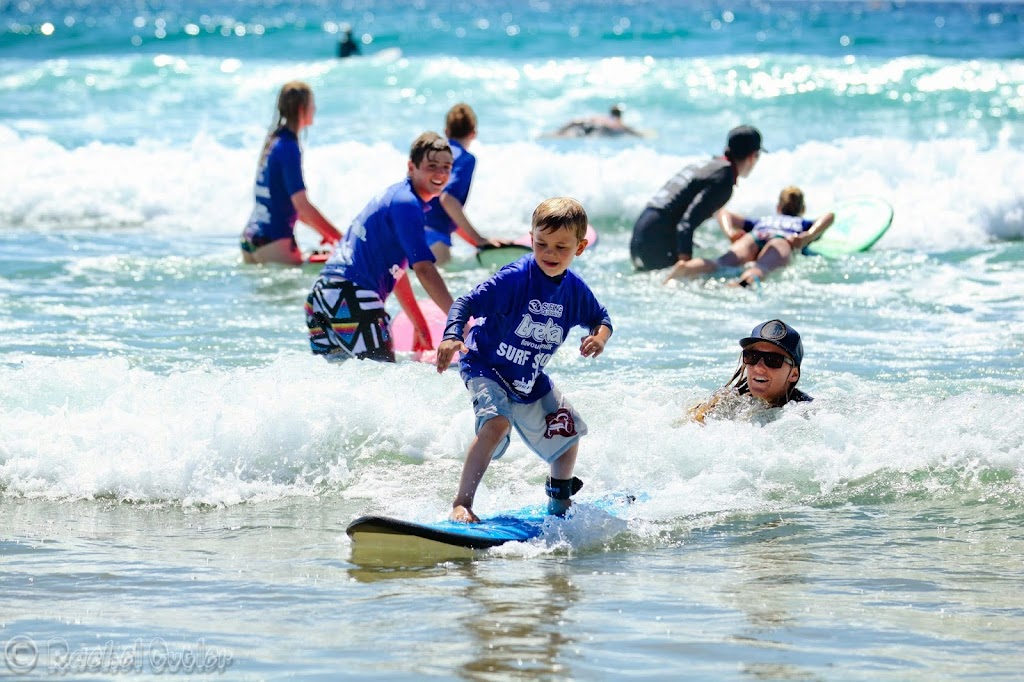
[345, 311]
[523, 314]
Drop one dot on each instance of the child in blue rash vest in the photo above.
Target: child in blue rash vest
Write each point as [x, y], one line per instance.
[523, 314]
[345, 311]
[768, 243]
[281, 199]
[447, 214]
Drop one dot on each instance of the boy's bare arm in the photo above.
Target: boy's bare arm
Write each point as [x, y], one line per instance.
[432, 283]
[455, 210]
[407, 299]
[731, 223]
[815, 231]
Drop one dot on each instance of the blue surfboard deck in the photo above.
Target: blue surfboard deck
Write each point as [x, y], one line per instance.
[859, 223]
[489, 533]
[377, 536]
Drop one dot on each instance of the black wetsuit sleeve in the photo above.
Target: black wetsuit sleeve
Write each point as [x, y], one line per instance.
[798, 396]
[703, 206]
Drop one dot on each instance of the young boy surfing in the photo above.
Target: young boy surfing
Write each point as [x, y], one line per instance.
[523, 315]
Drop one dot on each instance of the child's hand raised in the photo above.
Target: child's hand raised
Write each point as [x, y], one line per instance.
[592, 346]
[446, 351]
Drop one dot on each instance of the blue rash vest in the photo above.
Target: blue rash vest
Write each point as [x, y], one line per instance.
[522, 317]
[777, 225]
[382, 241]
[278, 179]
[463, 165]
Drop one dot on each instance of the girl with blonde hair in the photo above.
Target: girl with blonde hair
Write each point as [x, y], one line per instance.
[280, 192]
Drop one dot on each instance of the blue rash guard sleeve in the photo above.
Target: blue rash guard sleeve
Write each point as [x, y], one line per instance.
[485, 297]
[291, 168]
[408, 222]
[462, 177]
[599, 315]
[458, 317]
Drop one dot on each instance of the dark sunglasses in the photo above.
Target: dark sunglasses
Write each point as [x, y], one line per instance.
[771, 360]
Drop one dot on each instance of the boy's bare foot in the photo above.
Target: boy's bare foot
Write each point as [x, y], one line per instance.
[462, 514]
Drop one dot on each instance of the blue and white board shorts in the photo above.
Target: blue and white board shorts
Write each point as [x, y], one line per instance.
[549, 425]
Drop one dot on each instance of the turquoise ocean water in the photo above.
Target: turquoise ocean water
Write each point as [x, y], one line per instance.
[176, 471]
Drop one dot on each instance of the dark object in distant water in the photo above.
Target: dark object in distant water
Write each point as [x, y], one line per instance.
[598, 126]
[347, 46]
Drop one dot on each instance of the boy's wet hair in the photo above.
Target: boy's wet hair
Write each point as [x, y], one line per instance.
[554, 214]
[791, 201]
[460, 121]
[427, 144]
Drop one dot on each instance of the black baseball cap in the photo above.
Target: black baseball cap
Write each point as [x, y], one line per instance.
[777, 333]
[743, 141]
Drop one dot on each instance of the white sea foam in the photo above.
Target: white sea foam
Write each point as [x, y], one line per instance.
[947, 194]
[84, 428]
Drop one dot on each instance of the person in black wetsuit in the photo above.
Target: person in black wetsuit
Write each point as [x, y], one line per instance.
[663, 234]
[347, 46]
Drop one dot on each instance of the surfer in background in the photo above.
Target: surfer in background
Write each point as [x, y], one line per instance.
[767, 243]
[663, 234]
[345, 311]
[598, 126]
[764, 372]
[280, 190]
[523, 315]
[447, 211]
[347, 46]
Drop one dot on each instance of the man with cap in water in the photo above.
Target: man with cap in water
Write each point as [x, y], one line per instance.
[764, 372]
[663, 234]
